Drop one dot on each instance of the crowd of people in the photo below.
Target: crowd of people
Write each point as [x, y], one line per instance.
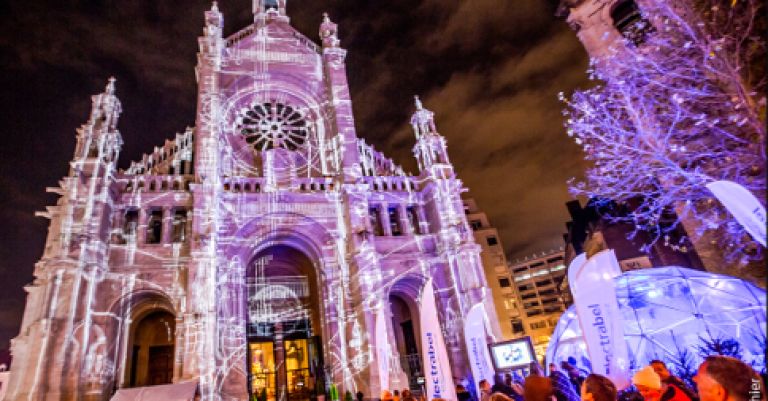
[719, 378]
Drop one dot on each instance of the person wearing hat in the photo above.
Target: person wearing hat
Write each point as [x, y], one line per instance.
[648, 383]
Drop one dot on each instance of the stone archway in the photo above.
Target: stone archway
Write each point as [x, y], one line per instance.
[284, 324]
[150, 345]
[406, 327]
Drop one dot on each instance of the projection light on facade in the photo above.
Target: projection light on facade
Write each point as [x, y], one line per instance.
[676, 314]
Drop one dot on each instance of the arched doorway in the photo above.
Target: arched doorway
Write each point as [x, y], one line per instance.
[151, 349]
[407, 332]
[285, 356]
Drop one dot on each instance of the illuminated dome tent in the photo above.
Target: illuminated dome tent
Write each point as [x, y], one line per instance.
[672, 313]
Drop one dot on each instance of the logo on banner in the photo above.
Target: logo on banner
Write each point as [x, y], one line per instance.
[601, 322]
[434, 368]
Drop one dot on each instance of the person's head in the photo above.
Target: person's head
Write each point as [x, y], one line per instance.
[498, 378]
[567, 367]
[499, 397]
[507, 379]
[661, 369]
[538, 388]
[552, 367]
[598, 388]
[386, 395]
[396, 393]
[484, 385]
[723, 378]
[460, 388]
[406, 393]
[535, 369]
[359, 395]
[648, 383]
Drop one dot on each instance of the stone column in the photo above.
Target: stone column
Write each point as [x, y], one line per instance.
[141, 227]
[384, 217]
[167, 225]
[422, 217]
[405, 225]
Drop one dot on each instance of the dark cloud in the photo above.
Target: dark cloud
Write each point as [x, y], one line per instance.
[489, 69]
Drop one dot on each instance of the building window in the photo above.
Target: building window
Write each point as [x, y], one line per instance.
[476, 224]
[492, 240]
[520, 269]
[394, 221]
[533, 312]
[131, 222]
[155, 227]
[373, 215]
[543, 283]
[628, 20]
[413, 219]
[529, 296]
[504, 282]
[531, 304]
[539, 325]
[517, 326]
[179, 225]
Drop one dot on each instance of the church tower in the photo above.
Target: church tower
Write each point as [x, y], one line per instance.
[268, 249]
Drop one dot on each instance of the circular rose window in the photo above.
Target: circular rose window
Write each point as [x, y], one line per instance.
[273, 125]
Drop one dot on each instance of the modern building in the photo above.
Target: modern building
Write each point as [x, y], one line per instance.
[508, 307]
[538, 280]
[267, 249]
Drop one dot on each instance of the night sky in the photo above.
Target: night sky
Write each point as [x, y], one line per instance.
[489, 69]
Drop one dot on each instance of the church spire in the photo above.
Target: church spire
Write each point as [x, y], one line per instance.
[423, 120]
[329, 32]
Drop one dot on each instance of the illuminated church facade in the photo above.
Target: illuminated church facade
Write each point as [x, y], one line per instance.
[268, 250]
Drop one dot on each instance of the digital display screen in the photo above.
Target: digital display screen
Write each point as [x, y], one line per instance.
[513, 354]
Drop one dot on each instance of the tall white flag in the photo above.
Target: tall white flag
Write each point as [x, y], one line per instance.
[594, 295]
[743, 205]
[477, 346]
[437, 368]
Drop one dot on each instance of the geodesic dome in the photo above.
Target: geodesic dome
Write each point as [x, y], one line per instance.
[677, 315]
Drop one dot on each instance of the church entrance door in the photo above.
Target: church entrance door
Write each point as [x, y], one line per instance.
[284, 355]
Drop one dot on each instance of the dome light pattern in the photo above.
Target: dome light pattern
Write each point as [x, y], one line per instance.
[671, 313]
[273, 125]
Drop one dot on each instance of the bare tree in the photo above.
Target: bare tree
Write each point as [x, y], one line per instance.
[678, 105]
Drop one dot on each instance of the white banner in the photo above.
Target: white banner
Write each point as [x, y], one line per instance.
[743, 205]
[382, 348]
[477, 345]
[594, 295]
[437, 368]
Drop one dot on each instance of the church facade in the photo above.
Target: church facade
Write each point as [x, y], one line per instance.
[268, 251]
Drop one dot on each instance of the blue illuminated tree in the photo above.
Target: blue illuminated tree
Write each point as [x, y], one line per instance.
[673, 110]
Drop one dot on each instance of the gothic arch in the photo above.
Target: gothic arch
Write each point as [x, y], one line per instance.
[133, 308]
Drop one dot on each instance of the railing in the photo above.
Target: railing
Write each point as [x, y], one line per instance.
[278, 288]
[411, 364]
[158, 183]
[391, 183]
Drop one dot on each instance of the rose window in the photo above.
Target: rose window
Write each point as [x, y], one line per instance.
[273, 125]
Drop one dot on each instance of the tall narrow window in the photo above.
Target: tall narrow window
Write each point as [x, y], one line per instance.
[179, 225]
[394, 221]
[131, 222]
[373, 215]
[413, 219]
[155, 227]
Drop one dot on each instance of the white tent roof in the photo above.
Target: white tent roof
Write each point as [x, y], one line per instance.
[164, 392]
